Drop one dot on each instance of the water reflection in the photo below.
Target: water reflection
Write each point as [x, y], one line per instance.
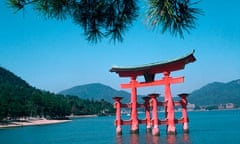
[171, 139]
[150, 139]
[185, 138]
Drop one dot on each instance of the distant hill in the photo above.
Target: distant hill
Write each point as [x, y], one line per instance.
[96, 91]
[217, 93]
[212, 94]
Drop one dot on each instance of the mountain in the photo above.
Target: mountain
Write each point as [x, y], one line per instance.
[217, 93]
[96, 91]
[8, 78]
[18, 99]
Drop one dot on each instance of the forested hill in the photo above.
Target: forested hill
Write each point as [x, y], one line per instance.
[7, 78]
[217, 93]
[96, 91]
[19, 99]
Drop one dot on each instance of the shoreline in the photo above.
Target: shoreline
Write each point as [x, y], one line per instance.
[71, 117]
[34, 122]
[40, 121]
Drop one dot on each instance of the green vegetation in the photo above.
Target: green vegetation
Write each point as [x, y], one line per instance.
[86, 106]
[19, 99]
[111, 18]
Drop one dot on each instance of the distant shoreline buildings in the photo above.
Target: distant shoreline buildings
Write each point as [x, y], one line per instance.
[217, 107]
[194, 107]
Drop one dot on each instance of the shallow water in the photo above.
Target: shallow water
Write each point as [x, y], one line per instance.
[219, 127]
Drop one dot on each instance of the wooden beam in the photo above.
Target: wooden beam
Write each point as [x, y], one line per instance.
[154, 83]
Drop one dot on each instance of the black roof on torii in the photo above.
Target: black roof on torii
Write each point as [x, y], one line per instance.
[153, 68]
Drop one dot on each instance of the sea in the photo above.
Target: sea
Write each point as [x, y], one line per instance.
[206, 127]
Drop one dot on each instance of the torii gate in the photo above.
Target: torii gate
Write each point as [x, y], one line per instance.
[149, 71]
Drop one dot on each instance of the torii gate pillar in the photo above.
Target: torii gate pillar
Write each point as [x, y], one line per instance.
[184, 112]
[118, 121]
[154, 103]
[170, 105]
[147, 113]
[134, 114]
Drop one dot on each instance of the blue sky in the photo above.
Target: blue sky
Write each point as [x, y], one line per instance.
[54, 55]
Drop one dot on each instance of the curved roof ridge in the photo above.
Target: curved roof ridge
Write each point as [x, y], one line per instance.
[154, 63]
[156, 67]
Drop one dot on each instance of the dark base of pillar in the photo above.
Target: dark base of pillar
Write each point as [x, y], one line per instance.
[134, 131]
[119, 133]
[186, 131]
[155, 131]
[156, 134]
[171, 132]
[148, 130]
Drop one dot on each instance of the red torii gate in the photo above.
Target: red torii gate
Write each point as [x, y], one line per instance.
[149, 71]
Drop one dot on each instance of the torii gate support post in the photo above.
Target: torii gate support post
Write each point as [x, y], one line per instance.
[184, 103]
[171, 129]
[147, 112]
[154, 103]
[118, 121]
[134, 114]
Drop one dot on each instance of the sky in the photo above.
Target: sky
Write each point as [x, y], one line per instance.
[54, 55]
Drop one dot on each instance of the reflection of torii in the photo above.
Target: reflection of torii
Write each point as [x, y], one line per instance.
[149, 71]
[135, 139]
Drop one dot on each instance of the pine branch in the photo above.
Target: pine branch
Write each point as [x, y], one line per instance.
[112, 18]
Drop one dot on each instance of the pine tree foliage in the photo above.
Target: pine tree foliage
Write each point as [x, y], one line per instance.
[175, 16]
[111, 18]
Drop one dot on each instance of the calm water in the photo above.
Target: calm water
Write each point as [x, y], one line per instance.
[212, 127]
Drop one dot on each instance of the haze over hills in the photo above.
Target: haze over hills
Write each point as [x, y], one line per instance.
[211, 94]
[217, 93]
[96, 91]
